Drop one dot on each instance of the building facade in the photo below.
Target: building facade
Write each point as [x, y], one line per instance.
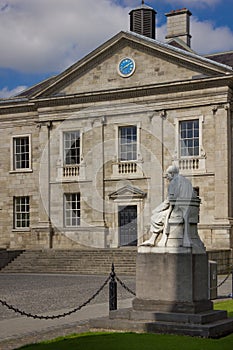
[84, 153]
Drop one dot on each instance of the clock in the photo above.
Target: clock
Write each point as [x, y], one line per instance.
[126, 67]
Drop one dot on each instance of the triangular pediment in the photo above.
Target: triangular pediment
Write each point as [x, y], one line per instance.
[127, 192]
[155, 63]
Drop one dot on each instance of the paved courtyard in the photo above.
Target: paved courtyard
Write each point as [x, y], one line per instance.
[54, 295]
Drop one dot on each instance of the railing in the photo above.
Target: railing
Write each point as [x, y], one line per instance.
[127, 168]
[189, 164]
[70, 171]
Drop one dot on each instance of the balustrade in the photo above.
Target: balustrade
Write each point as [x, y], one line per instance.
[189, 164]
[70, 171]
[127, 168]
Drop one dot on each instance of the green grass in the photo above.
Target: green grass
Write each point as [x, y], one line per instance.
[225, 305]
[127, 341]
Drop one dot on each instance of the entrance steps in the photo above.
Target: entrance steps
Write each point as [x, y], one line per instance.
[88, 261]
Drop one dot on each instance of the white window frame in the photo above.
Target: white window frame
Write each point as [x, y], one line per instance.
[70, 211]
[63, 148]
[117, 133]
[13, 168]
[177, 131]
[21, 213]
[189, 164]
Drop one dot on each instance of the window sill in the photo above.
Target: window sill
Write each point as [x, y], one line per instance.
[72, 228]
[26, 229]
[20, 171]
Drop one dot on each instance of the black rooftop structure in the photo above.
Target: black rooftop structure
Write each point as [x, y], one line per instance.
[142, 20]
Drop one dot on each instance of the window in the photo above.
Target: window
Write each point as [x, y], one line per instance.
[71, 147]
[21, 212]
[72, 209]
[21, 153]
[189, 138]
[127, 143]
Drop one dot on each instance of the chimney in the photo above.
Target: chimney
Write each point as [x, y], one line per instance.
[142, 20]
[178, 25]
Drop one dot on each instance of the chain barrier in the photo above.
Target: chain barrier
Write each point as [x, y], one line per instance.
[112, 298]
[124, 286]
[27, 314]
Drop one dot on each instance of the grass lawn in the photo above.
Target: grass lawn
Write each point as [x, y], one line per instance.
[225, 305]
[127, 341]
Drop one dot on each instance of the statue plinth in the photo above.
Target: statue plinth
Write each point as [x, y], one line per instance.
[172, 276]
[171, 279]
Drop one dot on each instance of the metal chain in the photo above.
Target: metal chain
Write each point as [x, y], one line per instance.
[225, 279]
[23, 313]
[124, 286]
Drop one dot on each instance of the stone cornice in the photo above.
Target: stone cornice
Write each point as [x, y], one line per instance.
[129, 93]
[15, 107]
[137, 92]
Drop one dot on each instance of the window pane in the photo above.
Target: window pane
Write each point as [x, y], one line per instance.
[71, 146]
[189, 138]
[128, 143]
[21, 212]
[72, 209]
[21, 152]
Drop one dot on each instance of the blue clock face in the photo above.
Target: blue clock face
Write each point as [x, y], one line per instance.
[126, 67]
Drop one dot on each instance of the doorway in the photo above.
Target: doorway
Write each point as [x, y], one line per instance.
[127, 223]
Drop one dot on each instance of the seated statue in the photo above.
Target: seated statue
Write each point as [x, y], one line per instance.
[179, 188]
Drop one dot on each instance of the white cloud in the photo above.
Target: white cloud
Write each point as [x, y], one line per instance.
[206, 38]
[5, 92]
[161, 32]
[197, 3]
[49, 35]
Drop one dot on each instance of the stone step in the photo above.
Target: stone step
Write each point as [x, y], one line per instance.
[220, 327]
[91, 261]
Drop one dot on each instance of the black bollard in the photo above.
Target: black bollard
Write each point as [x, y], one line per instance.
[113, 291]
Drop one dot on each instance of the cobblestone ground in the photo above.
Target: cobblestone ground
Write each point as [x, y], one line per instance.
[38, 294]
[47, 294]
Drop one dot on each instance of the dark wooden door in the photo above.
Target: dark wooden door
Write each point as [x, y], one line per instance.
[127, 221]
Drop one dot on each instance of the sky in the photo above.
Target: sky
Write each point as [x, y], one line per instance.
[41, 38]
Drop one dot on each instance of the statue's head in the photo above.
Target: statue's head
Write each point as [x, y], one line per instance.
[171, 171]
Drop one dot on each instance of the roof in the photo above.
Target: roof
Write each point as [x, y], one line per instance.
[35, 88]
[180, 44]
[182, 51]
[222, 57]
[143, 7]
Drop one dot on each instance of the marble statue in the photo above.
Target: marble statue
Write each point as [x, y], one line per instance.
[179, 188]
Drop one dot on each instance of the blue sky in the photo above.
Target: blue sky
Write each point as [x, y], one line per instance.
[40, 38]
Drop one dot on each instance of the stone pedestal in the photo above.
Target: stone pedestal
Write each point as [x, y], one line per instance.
[171, 280]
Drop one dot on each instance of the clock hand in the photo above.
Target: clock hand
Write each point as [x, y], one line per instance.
[128, 64]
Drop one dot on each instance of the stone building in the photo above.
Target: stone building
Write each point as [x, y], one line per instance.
[83, 154]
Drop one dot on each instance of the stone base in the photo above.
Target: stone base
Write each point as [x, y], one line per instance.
[179, 277]
[172, 306]
[210, 324]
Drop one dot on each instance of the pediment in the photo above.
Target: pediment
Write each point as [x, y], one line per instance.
[127, 192]
[156, 63]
